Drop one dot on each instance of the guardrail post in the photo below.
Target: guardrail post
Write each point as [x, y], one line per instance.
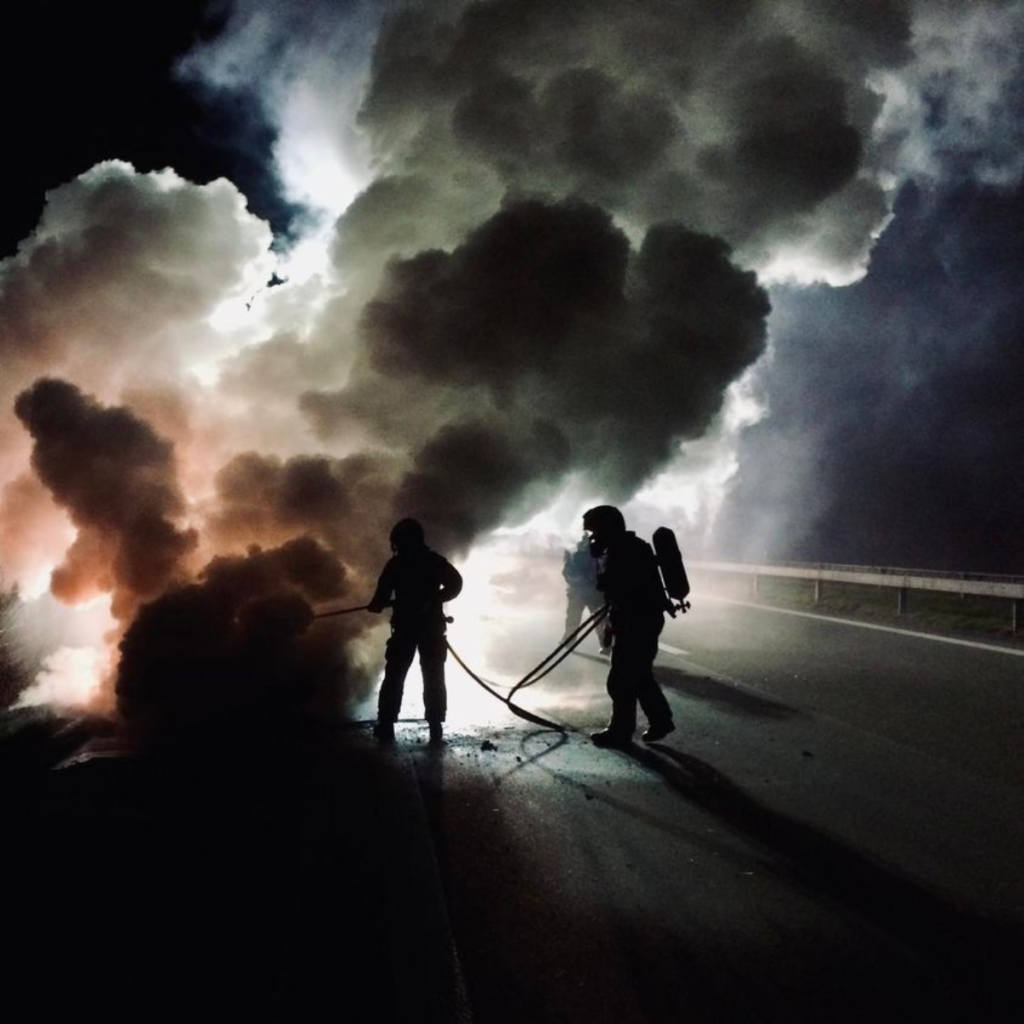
[817, 591]
[901, 600]
[756, 584]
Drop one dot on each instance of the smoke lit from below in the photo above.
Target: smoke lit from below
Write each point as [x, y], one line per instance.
[69, 677]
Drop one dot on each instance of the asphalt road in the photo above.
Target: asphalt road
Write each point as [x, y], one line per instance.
[961, 701]
[831, 834]
[268, 871]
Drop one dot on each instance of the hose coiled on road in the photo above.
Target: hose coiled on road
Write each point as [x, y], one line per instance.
[539, 671]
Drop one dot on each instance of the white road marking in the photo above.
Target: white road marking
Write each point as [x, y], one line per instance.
[1016, 652]
[669, 649]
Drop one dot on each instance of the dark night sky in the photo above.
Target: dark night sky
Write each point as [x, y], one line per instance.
[91, 82]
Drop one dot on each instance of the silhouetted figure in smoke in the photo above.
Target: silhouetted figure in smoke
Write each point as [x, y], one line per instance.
[628, 577]
[582, 596]
[416, 582]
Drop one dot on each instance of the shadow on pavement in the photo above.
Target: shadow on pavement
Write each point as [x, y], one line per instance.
[973, 958]
[544, 935]
[558, 740]
[731, 699]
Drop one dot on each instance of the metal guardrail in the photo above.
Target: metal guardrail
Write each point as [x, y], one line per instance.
[1010, 588]
[984, 577]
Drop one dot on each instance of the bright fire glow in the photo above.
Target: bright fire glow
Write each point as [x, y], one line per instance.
[497, 634]
[509, 617]
[69, 676]
[478, 616]
[696, 485]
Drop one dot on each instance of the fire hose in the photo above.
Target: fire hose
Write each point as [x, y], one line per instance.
[342, 611]
[538, 672]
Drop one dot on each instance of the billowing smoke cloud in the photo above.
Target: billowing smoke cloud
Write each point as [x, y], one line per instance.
[550, 278]
[117, 291]
[737, 119]
[953, 114]
[236, 642]
[236, 639]
[473, 474]
[122, 273]
[894, 417]
[908, 454]
[343, 503]
[116, 478]
[547, 345]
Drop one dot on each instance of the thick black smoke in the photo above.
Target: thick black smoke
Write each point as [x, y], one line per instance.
[545, 266]
[235, 637]
[117, 479]
[737, 118]
[261, 498]
[896, 423]
[238, 642]
[545, 344]
[473, 475]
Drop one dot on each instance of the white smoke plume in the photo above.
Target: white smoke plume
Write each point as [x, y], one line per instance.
[529, 268]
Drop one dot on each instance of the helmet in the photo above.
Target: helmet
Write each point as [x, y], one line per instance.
[604, 519]
[604, 522]
[407, 534]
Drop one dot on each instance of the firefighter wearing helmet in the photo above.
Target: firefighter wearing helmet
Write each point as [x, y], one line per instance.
[415, 583]
[629, 578]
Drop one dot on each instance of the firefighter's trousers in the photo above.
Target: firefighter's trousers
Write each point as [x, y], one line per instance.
[631, 680]
[398, 655]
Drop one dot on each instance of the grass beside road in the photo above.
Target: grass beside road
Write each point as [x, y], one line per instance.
[927, 611]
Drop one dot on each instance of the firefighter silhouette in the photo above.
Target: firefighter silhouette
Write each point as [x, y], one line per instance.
[582, 596]
[629, 579]
[415, 583]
